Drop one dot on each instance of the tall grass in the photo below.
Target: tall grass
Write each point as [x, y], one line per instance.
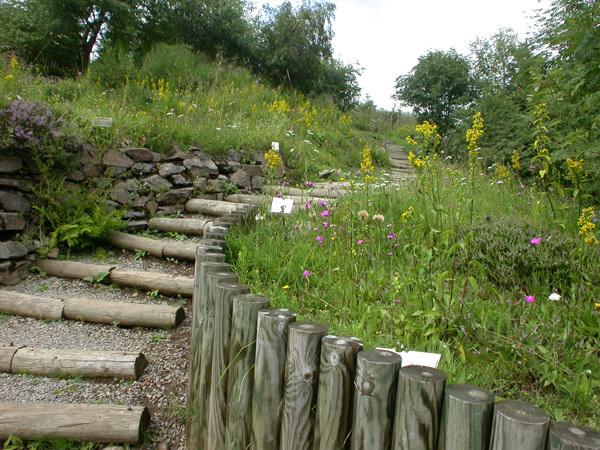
[450, 265]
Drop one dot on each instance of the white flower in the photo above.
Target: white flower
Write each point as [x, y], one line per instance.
[259, 217]
[554, 297]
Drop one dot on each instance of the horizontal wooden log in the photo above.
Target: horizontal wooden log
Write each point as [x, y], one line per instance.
[567, 436]
[76, 363]
[183, 226]
[246, 199]
[211, 207]
[73, 269]
[327, 192]
[93, 423]
[125, 314]
[153, 247]
[31, 305]
[152, 281]
[6, 355]
[180, 250]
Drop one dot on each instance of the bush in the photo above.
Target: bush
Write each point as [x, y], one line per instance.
[112, 68]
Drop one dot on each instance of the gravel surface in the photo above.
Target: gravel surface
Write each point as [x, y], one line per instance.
[162, 387]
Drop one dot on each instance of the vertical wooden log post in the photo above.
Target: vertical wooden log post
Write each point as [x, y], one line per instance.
[213, 242]
[211, 273]
[466, 418]
[217, 404]
[567, 436]
[376, 384]
[241, 369]
[204, 254]
[418, 408]
[301, 383]
[269, 369]
[519, 425]
[335, 398]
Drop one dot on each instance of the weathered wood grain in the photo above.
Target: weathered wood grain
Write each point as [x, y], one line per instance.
[211, 207]
[183, 226]
[466, 418]
[241, 369]
[301, 383]
[148, 281]
[337, 372]
[217, 400]
[93, 423]
[72, 269]
[519, 425]
[418, 408]
[567, 436]
[376, 384]
[31, 305]
[269, 373]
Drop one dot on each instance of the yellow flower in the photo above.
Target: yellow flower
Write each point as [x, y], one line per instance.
[474, 133]
[515, 159]
[9, 77]
[597, 306]
[285, 288]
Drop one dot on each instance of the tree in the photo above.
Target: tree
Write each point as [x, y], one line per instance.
[437, 87]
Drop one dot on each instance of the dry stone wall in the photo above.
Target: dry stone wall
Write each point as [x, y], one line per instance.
[137, 180]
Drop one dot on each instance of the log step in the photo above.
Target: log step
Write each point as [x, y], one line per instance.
[73, 363]
[147, 281]
[110, 424]
[183, 226]
[212, 207]
[88, 310]
[154, 247]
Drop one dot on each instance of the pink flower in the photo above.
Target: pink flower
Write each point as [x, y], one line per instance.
[308, 183]
[325, 214]
[398, 300]
[143, 139]
[390, 254]
[518, 193]
[323, 204]
[530, 299]
[308, 206]
[296, 227]
[341, 228]
[391, 236]
[306, 273]
[535, 241]
[316, 229]
[522, 187]
[320, 239]
[325, 224]
[532, 167]
[360, 242]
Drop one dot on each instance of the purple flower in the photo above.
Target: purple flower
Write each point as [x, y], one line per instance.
[320, 239]
[316, 229]
[279, 195]
[306, 273]
[522, 187]
[308, 183]
[535, 241]
[530, 299]
[325, 214]
[341, 228]
[390, 254]
[518, 193]
[398, 300]
[143, 139]
[360, 241]
[532, 167]
[391, 236]
[325, 224]
[295, 227]
[323, 204]
[308, 206]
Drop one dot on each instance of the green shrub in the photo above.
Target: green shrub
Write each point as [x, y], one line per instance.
[112, 68]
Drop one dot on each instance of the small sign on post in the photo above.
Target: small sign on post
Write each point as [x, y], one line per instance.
[104, 122]
[282, 205]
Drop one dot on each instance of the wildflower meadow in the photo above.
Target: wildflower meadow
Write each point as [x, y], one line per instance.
[468, 262]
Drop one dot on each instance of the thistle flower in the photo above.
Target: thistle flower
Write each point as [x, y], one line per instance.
[363, 214]
[378, 217]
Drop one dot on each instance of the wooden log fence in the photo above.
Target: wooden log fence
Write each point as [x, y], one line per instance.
[260, 380]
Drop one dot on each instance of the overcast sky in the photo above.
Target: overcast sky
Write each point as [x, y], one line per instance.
[387, 37]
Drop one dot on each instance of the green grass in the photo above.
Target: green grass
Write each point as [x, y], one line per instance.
[446, 269]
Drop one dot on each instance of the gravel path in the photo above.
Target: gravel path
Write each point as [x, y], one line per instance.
[163, 386]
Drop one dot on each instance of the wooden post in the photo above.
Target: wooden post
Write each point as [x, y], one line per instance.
[74, 363]
[418, 408]
[217, 414]
[466, 418]
[376, 383]
[214, 242]
[567, 436]
[199, 381]
[267, 394]
[93, 423]
[123, 314]
[31, 305]
[337, 372]
[519, 425]
[241, 369]
[301, 383]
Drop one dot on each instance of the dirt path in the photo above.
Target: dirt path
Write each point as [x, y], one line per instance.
[402, 170]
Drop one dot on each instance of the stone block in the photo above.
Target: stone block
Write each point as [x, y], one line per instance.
[90, 170]
[144, 168]
[175, 196]
[10, 201]
[258, 182]
[200, 167]
[168, 169]
[11, 221]
[114, 158]
[12, 250]
[200, 184]
[180, 180]
[10, 165]
[157, 183]
[255, 170]
[139, 154]
[240, 178]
